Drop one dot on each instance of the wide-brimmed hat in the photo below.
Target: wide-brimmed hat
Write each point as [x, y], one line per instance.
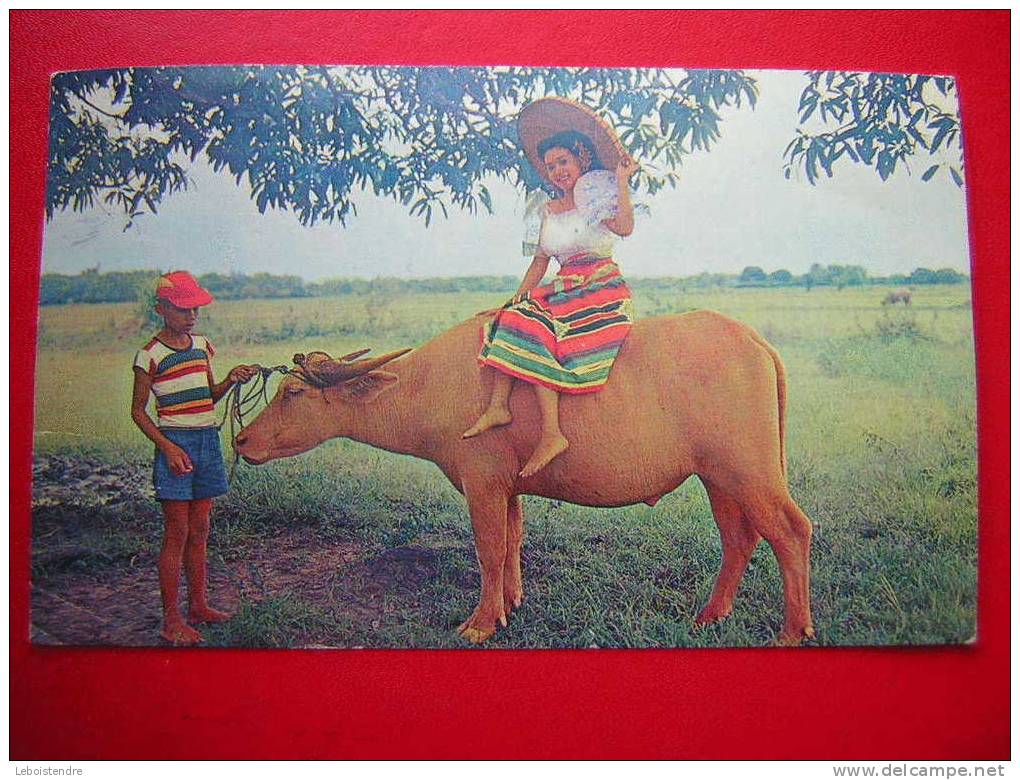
[545, 117]
[182, 290]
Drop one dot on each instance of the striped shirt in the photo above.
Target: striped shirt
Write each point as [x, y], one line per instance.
[181, 382]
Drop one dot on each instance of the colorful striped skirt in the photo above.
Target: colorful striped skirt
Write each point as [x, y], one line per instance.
[564, 335]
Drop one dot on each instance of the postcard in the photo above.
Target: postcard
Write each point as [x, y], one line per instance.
[504, 357]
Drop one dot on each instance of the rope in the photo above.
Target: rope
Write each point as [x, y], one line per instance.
[243, 398]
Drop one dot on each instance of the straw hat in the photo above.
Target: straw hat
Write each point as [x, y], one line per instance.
[547, 116]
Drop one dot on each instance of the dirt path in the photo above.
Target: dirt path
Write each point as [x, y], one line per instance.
[96, 586]
[120, 604]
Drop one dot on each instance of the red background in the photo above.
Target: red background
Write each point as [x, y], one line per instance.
[755, 703]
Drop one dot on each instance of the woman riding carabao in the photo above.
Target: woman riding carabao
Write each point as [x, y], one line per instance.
[563, 336]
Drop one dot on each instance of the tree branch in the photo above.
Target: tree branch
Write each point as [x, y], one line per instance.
[94, 107]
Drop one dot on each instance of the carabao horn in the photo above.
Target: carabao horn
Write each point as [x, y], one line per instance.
[354, 355]
[321, 370]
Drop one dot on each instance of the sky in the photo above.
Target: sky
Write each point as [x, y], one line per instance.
[731, 208]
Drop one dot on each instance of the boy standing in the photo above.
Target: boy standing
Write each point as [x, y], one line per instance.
[188, 471]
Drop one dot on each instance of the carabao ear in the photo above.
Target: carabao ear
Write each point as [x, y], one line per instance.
[365, 388]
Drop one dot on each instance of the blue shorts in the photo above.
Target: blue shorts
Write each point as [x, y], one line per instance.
[207, 478]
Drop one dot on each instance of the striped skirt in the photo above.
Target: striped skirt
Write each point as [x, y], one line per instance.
[566, 334]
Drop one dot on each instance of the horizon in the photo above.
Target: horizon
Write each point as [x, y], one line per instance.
[324, 280]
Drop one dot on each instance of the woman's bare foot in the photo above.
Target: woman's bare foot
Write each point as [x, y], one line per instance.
[180, 634]
[207, 615]
[549, 446]
[491, 418]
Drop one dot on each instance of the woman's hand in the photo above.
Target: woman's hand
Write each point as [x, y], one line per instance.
[177, 459]
[626, 168]
[241, 374]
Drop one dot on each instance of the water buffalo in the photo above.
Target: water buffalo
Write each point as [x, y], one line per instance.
[696, 393]
[897, 296]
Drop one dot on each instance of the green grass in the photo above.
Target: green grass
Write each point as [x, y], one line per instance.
[274, 622]
[882, 456]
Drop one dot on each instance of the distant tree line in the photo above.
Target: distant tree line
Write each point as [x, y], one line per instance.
[841, 276]
[392, 285]
[93, 286]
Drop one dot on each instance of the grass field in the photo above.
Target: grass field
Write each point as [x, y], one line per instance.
[351, 546]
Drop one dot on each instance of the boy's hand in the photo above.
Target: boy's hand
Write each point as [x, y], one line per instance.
[177, 459]
[242, 373]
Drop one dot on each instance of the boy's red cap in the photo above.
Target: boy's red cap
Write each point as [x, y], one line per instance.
[182, 290]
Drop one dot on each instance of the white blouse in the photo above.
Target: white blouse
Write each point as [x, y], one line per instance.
[580, 230]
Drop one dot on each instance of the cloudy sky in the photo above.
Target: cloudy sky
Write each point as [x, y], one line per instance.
[731, 208]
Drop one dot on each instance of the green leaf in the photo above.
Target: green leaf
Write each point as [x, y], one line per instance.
[885, 166]
[945, 125]
[811, 106]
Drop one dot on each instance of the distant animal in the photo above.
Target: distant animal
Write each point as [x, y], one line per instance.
[896, 296]
[690, 394]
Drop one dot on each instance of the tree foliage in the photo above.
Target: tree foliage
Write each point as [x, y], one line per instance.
[941, 276]
[307, 139]
[879, 120]
[752, 274]
[780, 277]
[92, 286]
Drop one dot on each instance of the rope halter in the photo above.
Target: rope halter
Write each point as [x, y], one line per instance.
[317, 369]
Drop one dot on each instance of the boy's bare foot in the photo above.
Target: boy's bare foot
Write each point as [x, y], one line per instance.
[549, 446]
[491, 418]
[207, 615]
[180, 634]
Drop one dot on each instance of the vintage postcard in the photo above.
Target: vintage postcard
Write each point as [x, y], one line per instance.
[512, 357]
